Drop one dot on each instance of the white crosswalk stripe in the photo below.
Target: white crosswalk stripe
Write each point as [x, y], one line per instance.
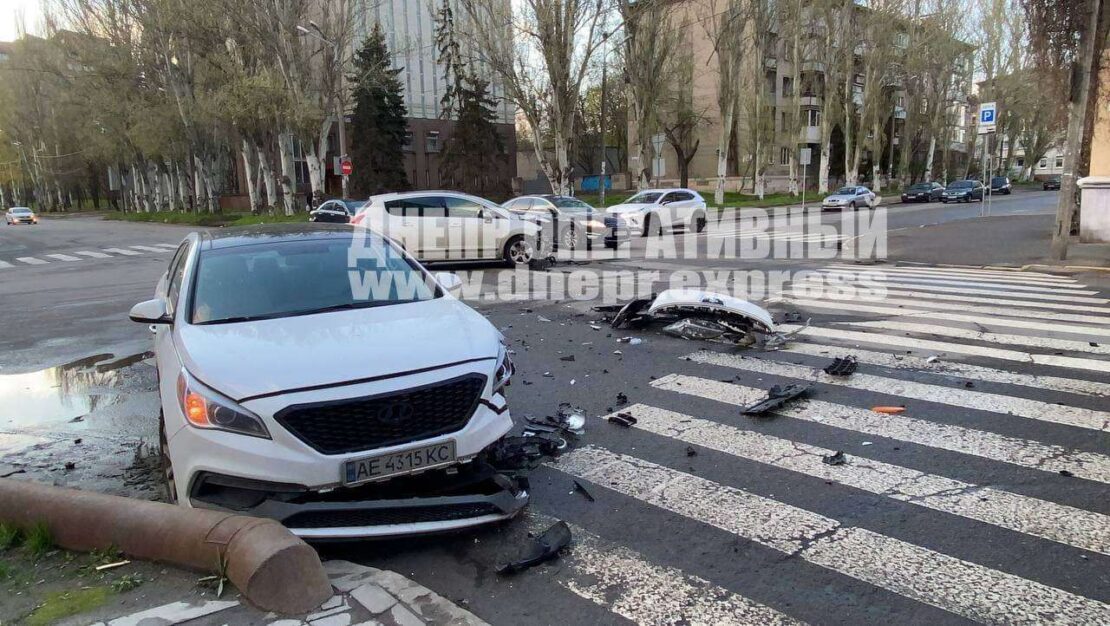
[168, 246]
[1000, 338]
[879, 275]
[937, 310]
[890, 285]
[1065, 524]
[913, 571]
[151, 249]
[947, 297]
[978, 270]
[1019, 279]
[953, 369]
[30, 260]
[627, 584]
[5, 265]
[965, 398]
[64, 257]
[93, 255]
[122, 251]
[1021, 452]
[949, 347]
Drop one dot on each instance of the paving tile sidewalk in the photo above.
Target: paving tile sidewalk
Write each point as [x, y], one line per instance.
[363, 596]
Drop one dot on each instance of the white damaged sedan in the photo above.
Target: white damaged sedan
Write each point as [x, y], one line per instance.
[319, 376]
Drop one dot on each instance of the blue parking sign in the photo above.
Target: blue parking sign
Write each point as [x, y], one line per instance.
[987, 116]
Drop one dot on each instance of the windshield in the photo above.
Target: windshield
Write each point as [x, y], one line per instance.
[920, 187]
[846, 191]
[961, 184]
[300, 277]
[998, 180]
[647, 197]
[571, 205]
[21, 211]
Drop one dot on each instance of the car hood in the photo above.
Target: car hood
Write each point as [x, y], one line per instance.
[627, 208]
[957, 191]
[839, 197]
[269, 356]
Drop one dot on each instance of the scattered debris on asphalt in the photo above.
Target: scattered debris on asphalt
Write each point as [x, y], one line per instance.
[70, 465]
[777, 396]
[841, 366]
[690, 451]
[932, 359]
[791, 317]
[696, 315]
[632, 341]
[1066, 473]
[867, 443]
[525, 452]
[543, 548]
[622, 398]
[567, 419]
[582, 490]
[969, 384]
[889, 410]
[624, 419]
[834, 459]
[696, 329]
[568, 358]
[779, 339]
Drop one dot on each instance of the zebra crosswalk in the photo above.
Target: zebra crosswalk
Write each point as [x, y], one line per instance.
[1002, 438]
[77, 256]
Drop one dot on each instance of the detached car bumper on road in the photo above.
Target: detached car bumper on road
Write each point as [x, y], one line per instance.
[287, 395]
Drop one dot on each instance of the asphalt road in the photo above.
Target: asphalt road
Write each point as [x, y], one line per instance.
[985, 501]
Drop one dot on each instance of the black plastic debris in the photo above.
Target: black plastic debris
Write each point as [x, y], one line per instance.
[1066, 473]
[543, 548]
[776, 397]
[631, 313]
[841, 366]
[582, 490]
[791, 317]
[623, 419]
[969, 384]
[834, 459]
[622, 398]
[569, 357]
[568, 419]
[519, 453]
[690, 451]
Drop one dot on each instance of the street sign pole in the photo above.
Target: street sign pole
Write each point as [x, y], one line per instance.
[804, 157]
[988, 118]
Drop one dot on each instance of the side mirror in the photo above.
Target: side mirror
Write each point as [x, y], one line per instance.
[151, 312]
[450, 282]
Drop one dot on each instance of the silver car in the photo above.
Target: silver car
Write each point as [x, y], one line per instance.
[851, 197]
[20, 215]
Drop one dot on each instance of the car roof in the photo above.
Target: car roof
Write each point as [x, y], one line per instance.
[271, 233]
[19, 207]
[667, 190]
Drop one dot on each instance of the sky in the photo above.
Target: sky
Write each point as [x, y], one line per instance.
[12, 10]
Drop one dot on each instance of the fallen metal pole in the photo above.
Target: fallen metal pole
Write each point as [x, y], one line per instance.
[273, 569]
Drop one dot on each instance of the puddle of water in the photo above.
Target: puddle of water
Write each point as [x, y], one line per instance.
[63, 393]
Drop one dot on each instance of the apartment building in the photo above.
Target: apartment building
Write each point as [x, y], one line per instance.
[773, 69]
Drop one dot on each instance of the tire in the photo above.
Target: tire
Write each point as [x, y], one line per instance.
[650, 219]
[169, 487]
[569, 238]
[697, 222]
[852, 205]
[518, 251]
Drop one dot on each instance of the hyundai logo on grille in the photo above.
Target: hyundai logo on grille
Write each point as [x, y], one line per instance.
[395, 412]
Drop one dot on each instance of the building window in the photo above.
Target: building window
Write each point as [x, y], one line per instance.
[431, 141]
[1059, 161]
[901, 101]
[782, 118]
[813, 117]
[787, 86]
[784, 156]
[902, 40]
[1020, 162]
[1043, 164]
[406, 145]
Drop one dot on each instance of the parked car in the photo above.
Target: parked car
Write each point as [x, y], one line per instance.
[20, 215]
[851, 197]
[287, 394]
[1001, 185]
[452, 226]
[651, 211]
[336, 211]
[574, 224]
[963, 191]
[1052, 183]
[923, 192]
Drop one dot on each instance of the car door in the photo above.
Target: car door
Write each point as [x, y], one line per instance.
[864, 197]
[684, 205]
[169, 289]
[419, 223]
[466, 228]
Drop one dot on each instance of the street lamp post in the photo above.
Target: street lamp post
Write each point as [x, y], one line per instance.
[319, 35]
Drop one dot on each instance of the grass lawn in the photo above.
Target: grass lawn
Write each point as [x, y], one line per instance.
[205, 219]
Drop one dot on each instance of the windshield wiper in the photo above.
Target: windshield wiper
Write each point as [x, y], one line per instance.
[269, 316]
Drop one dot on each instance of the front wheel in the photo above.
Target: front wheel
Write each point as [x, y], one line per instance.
[697, 222]
[569, 239]
[852, 206]
[169, 485]
[518, 251]
[652, 226]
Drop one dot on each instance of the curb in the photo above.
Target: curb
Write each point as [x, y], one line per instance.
[272, 568]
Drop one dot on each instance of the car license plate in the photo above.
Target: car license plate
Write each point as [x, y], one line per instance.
[396, 463]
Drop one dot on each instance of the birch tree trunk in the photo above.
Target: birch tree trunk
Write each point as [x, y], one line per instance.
[269, 182]
[929, 158]
[247, 152]
[722, 153]
[288, 175]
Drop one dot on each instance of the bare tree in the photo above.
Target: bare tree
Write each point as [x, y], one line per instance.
[679, 118]
[649, 43]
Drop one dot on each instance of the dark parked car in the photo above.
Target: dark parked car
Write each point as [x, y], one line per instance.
[1001, 185]
[1052, 183]
[963, 191]
[923, 192]
[576, 224]
[336, 211]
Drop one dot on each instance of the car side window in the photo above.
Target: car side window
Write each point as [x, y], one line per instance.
[682, 195]
[420, 206]
[670, 197]
[176, 274]
[462, 207]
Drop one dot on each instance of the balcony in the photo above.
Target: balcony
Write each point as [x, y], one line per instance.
[813, 66]
[812, 100]
[810, 134]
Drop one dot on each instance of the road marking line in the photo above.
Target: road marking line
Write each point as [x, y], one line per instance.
[945, 346]
[943, 581]
[626, 583]
[5, 265]
[1009, 279]
[150, 249]
[920, 307]
[1002, 289]
[965, 398]
[94, 255]
[954, 369]
[122, 251]
[999, 301]
[1056, 522]
[30, 260]
[1015, 272]
[993, 446]
[927, 289]
[990, 319]
[1032, 341]
[168, 246]
[64, 257]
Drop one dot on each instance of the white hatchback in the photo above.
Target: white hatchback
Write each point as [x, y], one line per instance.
[652, 211]
[289, 391]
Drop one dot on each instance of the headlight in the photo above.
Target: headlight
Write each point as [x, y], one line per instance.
[504, 371]
[204, 408]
